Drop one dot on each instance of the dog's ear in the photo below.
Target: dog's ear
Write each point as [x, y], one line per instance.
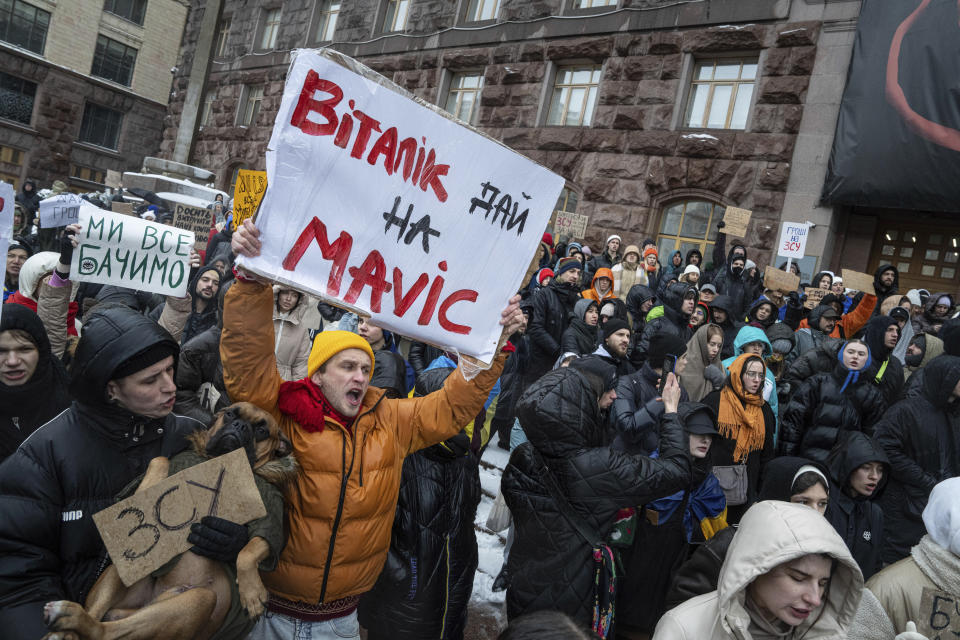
[284, 448]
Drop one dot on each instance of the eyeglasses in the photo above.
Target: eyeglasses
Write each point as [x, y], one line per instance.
[754, 375]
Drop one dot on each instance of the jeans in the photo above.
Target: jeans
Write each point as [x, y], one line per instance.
[274, 626]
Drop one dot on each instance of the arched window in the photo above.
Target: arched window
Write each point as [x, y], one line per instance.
[689, 224]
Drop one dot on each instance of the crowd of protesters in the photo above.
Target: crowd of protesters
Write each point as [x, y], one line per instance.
[693, 455]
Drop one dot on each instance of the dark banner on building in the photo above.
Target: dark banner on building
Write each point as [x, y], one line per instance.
[897, 142]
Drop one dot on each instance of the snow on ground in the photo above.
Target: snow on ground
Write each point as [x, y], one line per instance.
[486, 607]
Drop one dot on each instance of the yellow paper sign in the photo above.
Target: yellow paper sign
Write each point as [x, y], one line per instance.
[247, 194]
[735, 221]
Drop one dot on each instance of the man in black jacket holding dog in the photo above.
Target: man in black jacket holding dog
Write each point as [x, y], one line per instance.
[122, 383]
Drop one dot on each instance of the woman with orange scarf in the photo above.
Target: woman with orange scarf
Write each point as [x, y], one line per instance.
[746, 425]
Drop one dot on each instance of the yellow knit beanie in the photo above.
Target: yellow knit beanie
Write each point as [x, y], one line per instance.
[329, 343]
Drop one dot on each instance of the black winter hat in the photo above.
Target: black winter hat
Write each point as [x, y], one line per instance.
[613, 325]
[663, 345]
[148, 357]
[950, 334]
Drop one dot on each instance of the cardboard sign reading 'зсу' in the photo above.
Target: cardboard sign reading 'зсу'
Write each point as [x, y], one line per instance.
[149, 528]
[130, 252]
[60, 210]
[389, 206]
[195, 219]
[572, 225]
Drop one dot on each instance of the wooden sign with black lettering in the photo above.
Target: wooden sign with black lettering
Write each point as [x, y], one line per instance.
[146, 530]
[939, 617]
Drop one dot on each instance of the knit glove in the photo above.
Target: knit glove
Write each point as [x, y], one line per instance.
[714, 376]
[66, 246]
[910, 633]
[217, 538]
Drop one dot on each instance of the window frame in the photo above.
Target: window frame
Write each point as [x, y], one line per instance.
[692, 81]
[705, 244]
[386, 13]
[246, 102]
[223, 37]
[142, 4]
[101, 58]
[451, 89]
[607, 4]
[33, 98]
[90, 172]
[265, 23]
[586, 119]
[7, 159]
[323, 18]
[206, 108]
[469, 19]
[83, 126]
[37, 12]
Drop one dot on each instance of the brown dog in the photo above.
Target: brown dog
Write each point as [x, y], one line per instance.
[196, 598]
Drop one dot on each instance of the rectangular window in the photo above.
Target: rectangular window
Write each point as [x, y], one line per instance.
[16, 98]
[574, 96]
[100, 126]
[589, 4]
[11, 164]
[251, 106]
[132, 10]
[567, 201]
[720, 93]
[463, 98]
[207, 111]
[395, 19]
[223, 32]
[86, 173]
[689, 224]
[23, 25]
[329, 10]
[479, 10]
[113, 60]
[271, 28]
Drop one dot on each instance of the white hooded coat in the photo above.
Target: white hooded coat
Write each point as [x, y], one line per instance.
[770, 534]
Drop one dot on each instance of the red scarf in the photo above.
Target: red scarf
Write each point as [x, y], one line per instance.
[305, 403]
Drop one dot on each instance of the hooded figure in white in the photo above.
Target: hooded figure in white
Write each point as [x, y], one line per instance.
[771, 534]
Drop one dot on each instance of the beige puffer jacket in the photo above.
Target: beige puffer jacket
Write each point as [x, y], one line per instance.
[291, 338]
[770, 534]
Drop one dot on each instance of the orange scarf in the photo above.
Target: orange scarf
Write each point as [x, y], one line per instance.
[741, 414]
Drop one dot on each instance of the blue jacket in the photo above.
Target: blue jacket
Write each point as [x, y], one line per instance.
[745, 336]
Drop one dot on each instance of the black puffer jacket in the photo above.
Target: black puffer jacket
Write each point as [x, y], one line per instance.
[550, 565]
[673, 321]
[71, 468]
[549, 316]
[731, 326]
[885, 292]
[858, 519]
[885, 371]
[421, 355]
[200, 363]
[740, 291]
[426, 585]
[921, 437]
[819, 412]
[637, 412]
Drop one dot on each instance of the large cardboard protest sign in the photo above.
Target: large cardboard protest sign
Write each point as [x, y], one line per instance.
[113, 179]
[7, 196]
[857, 280]
[939, 617]
[386, 205]
[131, 252]
[247, 194]
[735, 221]
[793, 239]
[122, 207]
[60, 210]
[572, 225]
[777, 280]
[146, 530]
[814, 296]
[197, 220]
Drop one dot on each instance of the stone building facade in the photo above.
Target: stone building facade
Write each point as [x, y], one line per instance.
[636, 166]
[84, 86]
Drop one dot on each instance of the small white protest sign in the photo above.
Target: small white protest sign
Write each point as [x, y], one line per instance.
[130, 252]
[7, 196]
[793, 239]
[387, 205]
[60, 210]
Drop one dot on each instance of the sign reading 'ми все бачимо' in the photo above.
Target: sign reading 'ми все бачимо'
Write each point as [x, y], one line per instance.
[380, 203]
[129, 252]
